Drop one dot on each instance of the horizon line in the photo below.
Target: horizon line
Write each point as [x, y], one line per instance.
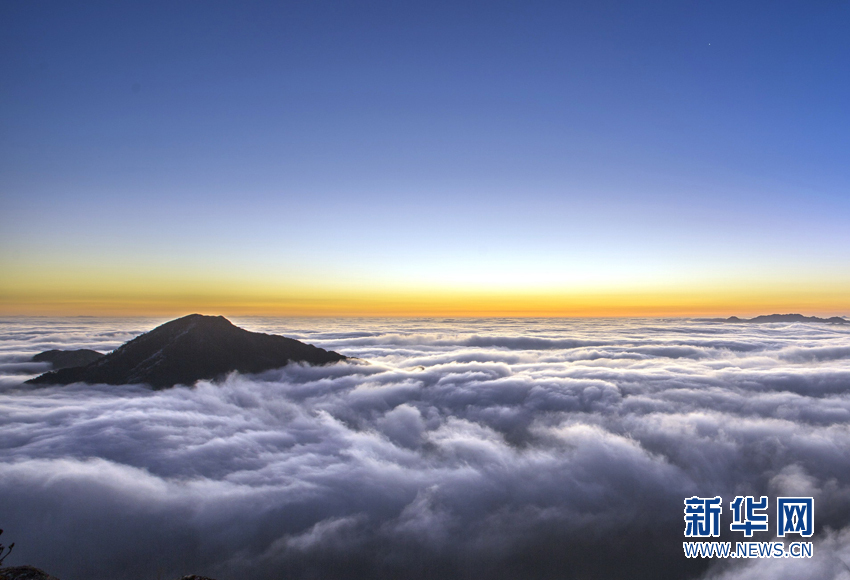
[204, 312]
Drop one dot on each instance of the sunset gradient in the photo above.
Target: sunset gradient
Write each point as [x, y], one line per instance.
[446, 159]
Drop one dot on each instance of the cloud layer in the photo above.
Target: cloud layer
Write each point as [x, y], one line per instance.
[462, 448]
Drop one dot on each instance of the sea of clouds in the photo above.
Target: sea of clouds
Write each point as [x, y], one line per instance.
[452, 449]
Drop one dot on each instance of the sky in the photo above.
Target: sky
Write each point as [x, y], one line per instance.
[439, 158]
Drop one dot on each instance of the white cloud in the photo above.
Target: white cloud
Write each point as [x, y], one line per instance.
[478, 448]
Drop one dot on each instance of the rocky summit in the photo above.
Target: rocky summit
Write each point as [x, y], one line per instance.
[187, 350]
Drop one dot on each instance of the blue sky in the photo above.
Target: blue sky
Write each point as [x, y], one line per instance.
[513, 144]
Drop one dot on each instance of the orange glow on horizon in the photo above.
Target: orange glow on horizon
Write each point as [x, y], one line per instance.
[437, 303]
[78, 287]
[100, 291]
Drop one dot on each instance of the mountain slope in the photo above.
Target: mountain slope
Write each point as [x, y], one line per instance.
[189, 349]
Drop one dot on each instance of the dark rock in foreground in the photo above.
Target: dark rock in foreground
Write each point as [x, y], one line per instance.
[30, 573]
[189, 349]
[24, 573]
[785, 318]
[65, 359]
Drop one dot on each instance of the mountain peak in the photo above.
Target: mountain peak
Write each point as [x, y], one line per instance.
[188, 349]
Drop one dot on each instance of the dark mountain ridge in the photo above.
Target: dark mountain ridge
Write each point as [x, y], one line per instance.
[64, 359]
[189, 349]
[784, 318]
